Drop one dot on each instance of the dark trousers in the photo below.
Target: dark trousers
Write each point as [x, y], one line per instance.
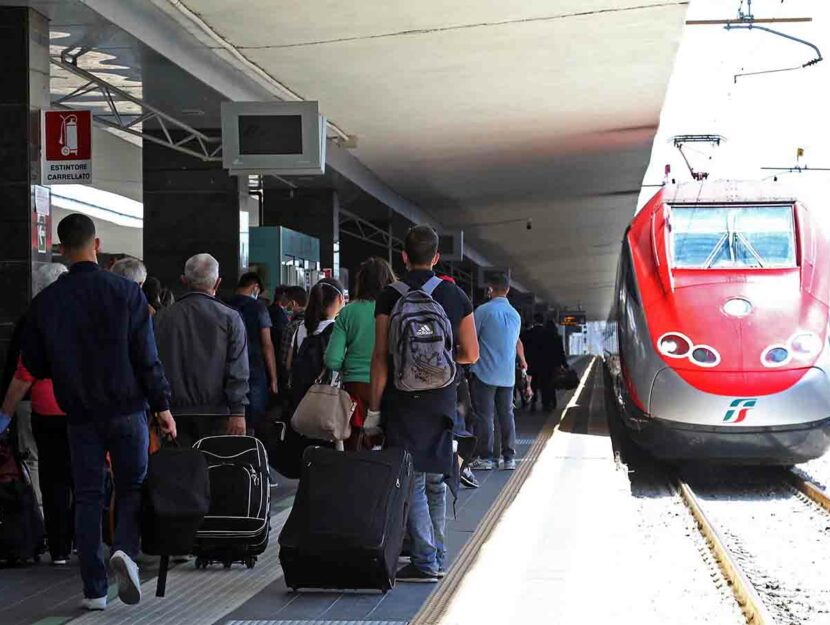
[55, 482]
[190, 428]
[125, 438]
[542, 386]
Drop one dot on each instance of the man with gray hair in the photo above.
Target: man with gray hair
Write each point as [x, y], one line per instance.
[130, 268]
[203, 346]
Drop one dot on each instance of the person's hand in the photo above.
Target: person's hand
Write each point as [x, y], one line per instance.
[274, 388]
[236, 426]
[167, 423]
[5, 421]
[523, 365]
[371, 424]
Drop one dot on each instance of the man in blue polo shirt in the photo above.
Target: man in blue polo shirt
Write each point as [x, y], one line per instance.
[498, 326]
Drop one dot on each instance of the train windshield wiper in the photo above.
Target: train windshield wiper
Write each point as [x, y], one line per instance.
[749, 248]
[715, 251]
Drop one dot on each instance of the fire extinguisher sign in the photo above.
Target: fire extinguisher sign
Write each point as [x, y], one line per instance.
[66, 147]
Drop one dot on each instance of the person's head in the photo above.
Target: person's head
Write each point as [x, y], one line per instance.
[130, 268]
[280, 295]
[420, 248]
[152, 291]
[374, 274]
[325, 300]
[201, 273]
[296, 299]
[538, 318]
[78, 242]
[498, 285]
[249, 284]
[45, 275]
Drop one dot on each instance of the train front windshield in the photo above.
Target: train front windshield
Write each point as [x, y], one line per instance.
[733, 237]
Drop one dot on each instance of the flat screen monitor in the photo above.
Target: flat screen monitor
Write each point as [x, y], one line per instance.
[282, 138]
[270, 134]
[451, 245]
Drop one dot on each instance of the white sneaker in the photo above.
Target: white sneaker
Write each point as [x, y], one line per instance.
[126, 574]
[99, 603]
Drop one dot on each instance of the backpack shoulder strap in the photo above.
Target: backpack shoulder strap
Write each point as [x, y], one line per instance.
[401, 287]
[431, 284]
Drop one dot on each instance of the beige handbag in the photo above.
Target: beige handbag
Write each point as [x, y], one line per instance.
[325, 411]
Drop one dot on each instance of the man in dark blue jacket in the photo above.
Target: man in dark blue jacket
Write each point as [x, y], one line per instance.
[90, 332]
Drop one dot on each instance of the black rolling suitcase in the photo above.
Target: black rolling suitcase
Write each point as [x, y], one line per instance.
[175, 500]
[347, 525]
[21, 526]
[237, 526]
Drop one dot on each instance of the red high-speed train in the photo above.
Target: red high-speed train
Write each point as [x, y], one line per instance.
[717, 345]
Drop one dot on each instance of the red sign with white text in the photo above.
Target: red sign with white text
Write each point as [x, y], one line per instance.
[67, 147]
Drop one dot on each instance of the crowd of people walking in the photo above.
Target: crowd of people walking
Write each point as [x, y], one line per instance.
[102, 354]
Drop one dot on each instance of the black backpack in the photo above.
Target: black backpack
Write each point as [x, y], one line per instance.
[21, 526]
[308, 363]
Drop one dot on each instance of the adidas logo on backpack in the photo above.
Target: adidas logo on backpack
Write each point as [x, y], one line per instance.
[424, 330]
[420, 339]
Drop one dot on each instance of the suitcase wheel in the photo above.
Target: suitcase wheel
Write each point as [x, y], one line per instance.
[227, 564]
[201, 563]
[250, 562]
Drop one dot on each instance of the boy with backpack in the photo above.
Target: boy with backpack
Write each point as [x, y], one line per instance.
[424, 327]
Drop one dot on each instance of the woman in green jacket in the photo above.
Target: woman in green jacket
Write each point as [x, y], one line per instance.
[350, 348]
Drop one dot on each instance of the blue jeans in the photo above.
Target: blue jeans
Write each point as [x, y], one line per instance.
[257, 400]
[125, 438]
[489, 402]
[419, 526]
[436, 489]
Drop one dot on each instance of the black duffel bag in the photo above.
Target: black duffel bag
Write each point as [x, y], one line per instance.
[176, 498]
[565, 379]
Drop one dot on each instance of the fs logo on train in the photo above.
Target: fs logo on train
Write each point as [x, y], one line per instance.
[738, 410]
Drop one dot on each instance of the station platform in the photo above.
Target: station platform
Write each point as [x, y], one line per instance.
[45, 595]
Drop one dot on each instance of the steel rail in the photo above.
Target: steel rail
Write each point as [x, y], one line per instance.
[747, 597]
[809, 489]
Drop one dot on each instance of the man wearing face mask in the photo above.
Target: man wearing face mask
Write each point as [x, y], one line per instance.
[262, 363]
[204, 349]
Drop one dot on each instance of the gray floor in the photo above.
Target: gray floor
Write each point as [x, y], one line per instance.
[46, 595]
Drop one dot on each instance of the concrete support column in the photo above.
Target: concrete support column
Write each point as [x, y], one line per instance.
[24, 91]
[315, 212]
[190, 207]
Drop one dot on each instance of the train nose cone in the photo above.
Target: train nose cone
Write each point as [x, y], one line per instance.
[779, 398]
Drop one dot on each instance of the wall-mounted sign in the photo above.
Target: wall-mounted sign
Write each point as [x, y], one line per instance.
[66, 148]
[572, 318]
[42, 200]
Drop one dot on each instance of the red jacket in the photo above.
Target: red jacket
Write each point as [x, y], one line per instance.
[43, 396]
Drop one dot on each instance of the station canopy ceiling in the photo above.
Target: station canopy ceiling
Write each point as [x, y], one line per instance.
[480, 112]
[484, 111]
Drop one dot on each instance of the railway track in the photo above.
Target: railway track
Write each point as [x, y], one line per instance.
[754, 589]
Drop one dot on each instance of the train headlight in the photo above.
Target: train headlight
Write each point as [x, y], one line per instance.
[737, 307]
[805, 344]
[775, 356]
[705, 356]
[674, 345]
